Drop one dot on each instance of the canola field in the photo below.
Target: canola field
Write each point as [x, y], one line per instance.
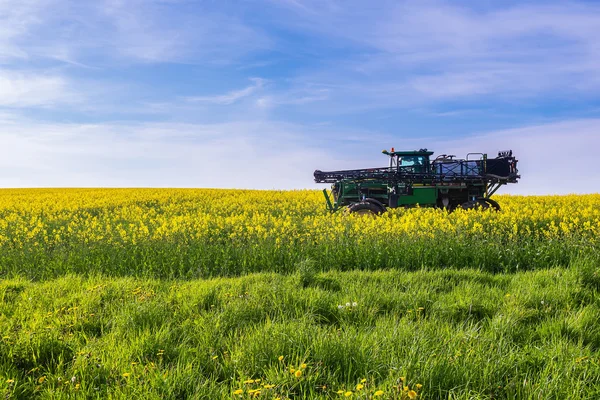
[229, 294]
[210, 233]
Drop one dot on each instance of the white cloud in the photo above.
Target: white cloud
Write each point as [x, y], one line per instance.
[29, 89]
[230, 97]
[427, 51]
[249, 154]
[112, 31]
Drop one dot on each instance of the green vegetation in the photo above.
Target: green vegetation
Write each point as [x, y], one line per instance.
[191, 294]
[461, 334]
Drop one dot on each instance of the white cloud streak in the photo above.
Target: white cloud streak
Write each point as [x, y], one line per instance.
[230, 97]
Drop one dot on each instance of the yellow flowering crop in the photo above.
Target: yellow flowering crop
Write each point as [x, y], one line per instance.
[209, 231]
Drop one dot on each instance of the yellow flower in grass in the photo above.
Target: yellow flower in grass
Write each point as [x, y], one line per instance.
[348, 394]
[378, 393]
[340, 392]
[126, 374]
[359, 386]
[412, 394]
[419, 386]
[298, 373]
[303, 366]
[238, 392]
[280, 358]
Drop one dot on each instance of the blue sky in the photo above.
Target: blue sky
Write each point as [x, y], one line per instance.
[258, 94]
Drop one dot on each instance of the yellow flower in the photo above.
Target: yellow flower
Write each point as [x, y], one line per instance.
[340, 392]
[215, 357]
[303, 366]
[268, 386]
[239, 391]
[292, 370]
[406, 388]
[359, 386]
[419, 386]
[248, 381]
[363, 380]
[280, 358]
[298, 373]
[42, 379]
[348, 394]
[412, 394]
[9, 381]
[126, 374]
[378, 393]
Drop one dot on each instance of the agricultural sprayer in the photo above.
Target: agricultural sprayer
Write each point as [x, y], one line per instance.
[413, 179]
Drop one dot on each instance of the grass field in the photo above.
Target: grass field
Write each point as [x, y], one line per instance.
[227, 294]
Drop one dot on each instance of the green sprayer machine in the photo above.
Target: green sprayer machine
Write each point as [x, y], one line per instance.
[413, 179]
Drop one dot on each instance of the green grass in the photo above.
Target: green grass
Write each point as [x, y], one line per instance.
[462, 334]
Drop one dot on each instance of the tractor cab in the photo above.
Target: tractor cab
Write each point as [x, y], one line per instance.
[416, 162]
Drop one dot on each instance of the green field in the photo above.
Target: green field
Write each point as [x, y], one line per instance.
[436, 322]
[460, 334]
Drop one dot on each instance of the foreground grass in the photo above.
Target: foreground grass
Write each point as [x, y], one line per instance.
[460, 334]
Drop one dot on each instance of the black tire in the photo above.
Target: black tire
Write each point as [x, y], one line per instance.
[478, 204]
[364, 208]
[493, 203]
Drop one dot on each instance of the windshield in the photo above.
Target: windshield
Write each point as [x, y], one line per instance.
[412, 163]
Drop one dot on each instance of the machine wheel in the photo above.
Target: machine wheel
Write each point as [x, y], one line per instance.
[478, 204]
[493, 203]
[364, 208]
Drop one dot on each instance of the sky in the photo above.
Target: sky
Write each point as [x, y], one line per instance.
[260, 93]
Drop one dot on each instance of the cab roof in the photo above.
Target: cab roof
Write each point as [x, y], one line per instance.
[421, 152]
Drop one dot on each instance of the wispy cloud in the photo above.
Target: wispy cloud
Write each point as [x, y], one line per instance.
[230, 97]
[431, 51]
[108, 31]
[29, 89]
